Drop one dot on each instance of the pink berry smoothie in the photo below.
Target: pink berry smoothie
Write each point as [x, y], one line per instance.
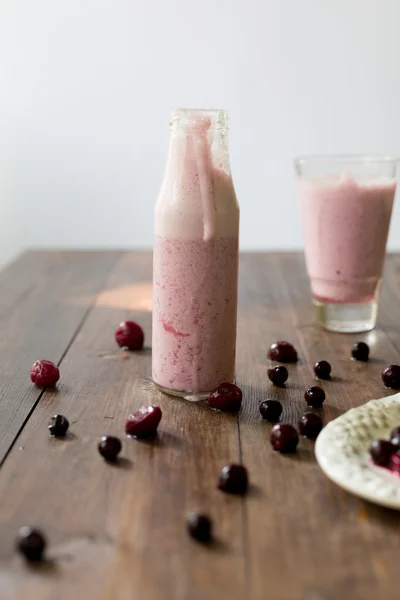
[345, 228]
[195, 273]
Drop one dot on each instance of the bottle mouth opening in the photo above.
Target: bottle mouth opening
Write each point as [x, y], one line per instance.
[199, 118]
[199, 112]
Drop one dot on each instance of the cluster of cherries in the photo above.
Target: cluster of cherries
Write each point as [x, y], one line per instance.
[142, 423]
[283, 437]
[227, 397]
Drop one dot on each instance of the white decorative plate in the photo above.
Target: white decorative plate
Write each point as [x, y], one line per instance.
[342, 446]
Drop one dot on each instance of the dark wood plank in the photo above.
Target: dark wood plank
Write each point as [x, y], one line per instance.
[44, 299]
[18, 278]
[307, 539]
[118, 532]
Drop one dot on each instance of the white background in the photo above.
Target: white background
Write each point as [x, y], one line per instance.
[86, 88]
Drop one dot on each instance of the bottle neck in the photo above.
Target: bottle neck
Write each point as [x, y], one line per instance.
[203, 131]
[197, 196]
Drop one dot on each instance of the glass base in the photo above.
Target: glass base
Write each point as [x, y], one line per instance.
[191, 396]
[346, 318]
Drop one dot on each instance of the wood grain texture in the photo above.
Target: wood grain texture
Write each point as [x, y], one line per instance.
[44, 298]
[308, 539]
[17, 279]
[118, 532]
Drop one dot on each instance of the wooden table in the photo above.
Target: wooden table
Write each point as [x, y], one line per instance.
[118, 532]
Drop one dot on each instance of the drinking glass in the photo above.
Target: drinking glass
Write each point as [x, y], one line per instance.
[346, 205]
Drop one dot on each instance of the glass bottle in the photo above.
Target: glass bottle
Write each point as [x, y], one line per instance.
[195, 273]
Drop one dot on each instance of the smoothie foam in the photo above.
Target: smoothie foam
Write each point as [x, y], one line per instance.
[345, 227]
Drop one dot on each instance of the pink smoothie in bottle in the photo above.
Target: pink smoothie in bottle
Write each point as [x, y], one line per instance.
[195, 273]
[345, 227]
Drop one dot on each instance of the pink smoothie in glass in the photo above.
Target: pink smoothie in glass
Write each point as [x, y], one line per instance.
[345, 227]
[195, 264]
